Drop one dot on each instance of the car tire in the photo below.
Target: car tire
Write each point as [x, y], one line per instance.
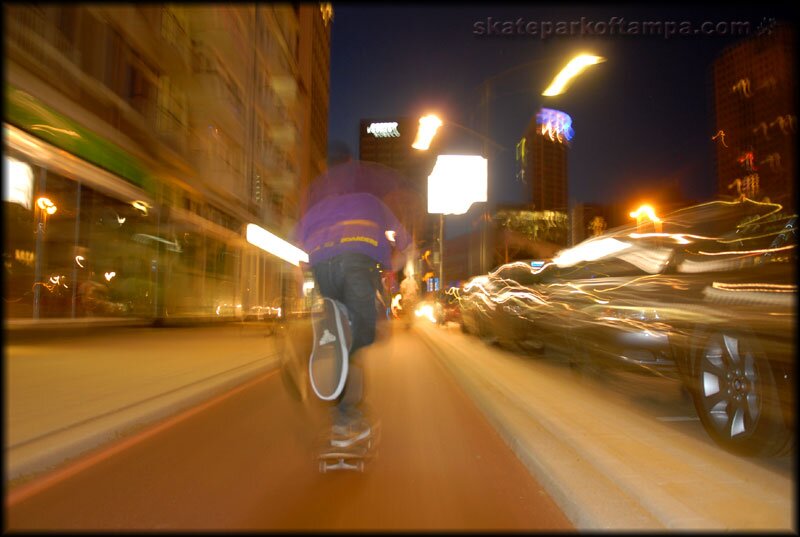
[735, 394]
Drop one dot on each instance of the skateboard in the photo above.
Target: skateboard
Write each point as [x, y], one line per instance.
[353, 457]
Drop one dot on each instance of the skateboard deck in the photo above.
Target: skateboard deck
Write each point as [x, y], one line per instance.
[337, 458]
[353, 457]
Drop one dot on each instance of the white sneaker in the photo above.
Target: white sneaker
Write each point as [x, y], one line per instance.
[328, 362]
[346, 436]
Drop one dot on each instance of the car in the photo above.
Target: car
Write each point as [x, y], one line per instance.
[709, 299]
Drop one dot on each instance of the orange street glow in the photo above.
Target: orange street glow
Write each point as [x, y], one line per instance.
[645, 211]
[428, 125]
[46, 205]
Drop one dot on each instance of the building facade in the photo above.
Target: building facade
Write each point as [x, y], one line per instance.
[142, 140]
[388, 141]
[542, 159]
[756, 123]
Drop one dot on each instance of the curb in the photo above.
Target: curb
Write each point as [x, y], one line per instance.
[48, 451]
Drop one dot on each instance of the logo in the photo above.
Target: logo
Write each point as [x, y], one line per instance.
[326, 338]
[384, 130]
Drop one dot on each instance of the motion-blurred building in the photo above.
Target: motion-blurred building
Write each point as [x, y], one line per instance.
[756, 123]
[143, 139]
[542, 159]
[388, 141]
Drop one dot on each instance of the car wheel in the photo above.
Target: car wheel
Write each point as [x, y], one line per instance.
[735, 393]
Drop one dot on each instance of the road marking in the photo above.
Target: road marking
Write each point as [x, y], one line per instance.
[678, 418]
[40, 484]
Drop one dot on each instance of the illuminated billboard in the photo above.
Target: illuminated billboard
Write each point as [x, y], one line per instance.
[384, 130]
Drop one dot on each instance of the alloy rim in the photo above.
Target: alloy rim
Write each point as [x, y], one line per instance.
[729, 380]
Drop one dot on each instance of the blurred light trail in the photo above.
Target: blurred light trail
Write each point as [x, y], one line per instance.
[428, 125]
[575, 67]
[258, 236]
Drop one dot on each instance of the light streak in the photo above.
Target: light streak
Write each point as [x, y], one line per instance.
[721, 135]
[258, 236]
[590, 250]
[742, 86]
[750, 252]
[55, 130]
[142, 206]
[564, 77]
[763, 287]
[428, 125]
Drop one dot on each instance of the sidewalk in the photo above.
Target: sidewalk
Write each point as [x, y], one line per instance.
[67, 393]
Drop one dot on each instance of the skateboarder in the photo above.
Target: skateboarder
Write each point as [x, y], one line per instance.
[350, 235]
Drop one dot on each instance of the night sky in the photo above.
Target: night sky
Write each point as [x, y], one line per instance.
[642, 119]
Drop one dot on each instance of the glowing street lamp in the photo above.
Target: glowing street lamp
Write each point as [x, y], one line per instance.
[428, 125]
[46, 205]
[575, 67]
[644, 213]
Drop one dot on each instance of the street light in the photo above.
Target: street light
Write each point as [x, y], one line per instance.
[428, 125]
[575, 67]
[643, 213]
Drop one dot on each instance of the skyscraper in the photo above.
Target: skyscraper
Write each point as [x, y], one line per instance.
[388, 141]
[756, 122]
[542, 159]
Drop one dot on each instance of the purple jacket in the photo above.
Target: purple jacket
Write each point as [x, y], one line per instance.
[355, 222]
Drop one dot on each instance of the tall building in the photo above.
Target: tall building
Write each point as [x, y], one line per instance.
[756, 123]
[388, 142]
[542, 159]
[315, 68]
[141, 141]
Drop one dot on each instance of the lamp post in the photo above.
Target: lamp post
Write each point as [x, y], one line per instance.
[430, 124]
[557, 87]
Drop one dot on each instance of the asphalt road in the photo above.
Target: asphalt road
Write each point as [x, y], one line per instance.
[245, 461]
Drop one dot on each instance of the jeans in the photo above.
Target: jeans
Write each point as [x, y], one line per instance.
[352, 279]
